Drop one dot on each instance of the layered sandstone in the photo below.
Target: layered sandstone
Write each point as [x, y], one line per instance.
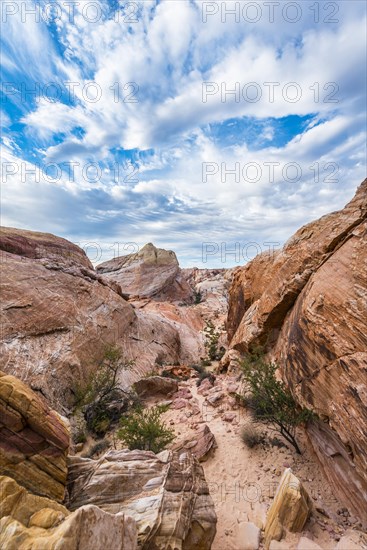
[58, 316]
[33, 522]
[290, 509]
[34, 441]
[166, 494]
[307, 304]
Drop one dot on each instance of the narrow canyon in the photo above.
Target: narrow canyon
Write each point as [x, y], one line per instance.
[69, 480]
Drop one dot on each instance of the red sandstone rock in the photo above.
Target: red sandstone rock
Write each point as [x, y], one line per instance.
[308, 304]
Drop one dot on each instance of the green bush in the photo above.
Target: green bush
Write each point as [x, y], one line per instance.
[100, 398]
[104, 380]
[270, 401]
[211, 342]
[144, 430]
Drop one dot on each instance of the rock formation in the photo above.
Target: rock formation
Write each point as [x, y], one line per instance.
[199, 444]
[166, 494]
[58, 316]
[33, 522]
[34, 441]
[147, 273]
[290, 510]
[308, 305]
[155, 385]
[185, 298]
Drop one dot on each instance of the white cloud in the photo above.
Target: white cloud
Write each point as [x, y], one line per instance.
[169, 53]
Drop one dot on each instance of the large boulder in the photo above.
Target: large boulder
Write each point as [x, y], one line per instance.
[290, 509]
[155, 385]
[58, 316]
[33, 522]
[144, 274]
[34, 441]
[199, 443]
[322, 350]
[307, 304]
[166, 494]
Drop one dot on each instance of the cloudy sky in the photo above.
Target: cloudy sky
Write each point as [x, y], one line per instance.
[199, 126]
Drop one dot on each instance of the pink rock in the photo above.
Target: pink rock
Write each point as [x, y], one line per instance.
[214, 399]
[229, 417]
[179, 404]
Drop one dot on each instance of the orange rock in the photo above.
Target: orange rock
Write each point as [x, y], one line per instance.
[308, 304]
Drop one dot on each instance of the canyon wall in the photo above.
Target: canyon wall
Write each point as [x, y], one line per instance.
[307, 305]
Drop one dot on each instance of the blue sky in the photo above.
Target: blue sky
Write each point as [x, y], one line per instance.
[179, 123]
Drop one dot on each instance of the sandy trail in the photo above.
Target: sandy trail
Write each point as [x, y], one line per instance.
[242, 481]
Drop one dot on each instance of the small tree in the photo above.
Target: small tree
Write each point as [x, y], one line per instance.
[105, 380]
[144, 430]
[101, 398]
[270, 401]
[211, 342]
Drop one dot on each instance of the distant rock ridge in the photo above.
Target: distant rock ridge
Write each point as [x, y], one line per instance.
[307, 304]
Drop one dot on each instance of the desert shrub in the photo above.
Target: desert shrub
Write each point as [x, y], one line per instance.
[198, 297]
[104, 380]
[159, 361]
[211, 342]
[203, 376]
[275, 442]
[203, 373]
[251, 436]
[198, 368]
[98, 448]
[101, 414]
[144, 430]
[101, 398]
[270, 401]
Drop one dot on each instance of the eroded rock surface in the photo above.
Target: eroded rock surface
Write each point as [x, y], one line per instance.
[155, 385]
[32, 522]
[290, 509]
[308, 305]
[166, 494]
[34, 441]
[144, 274]
[58, 316]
